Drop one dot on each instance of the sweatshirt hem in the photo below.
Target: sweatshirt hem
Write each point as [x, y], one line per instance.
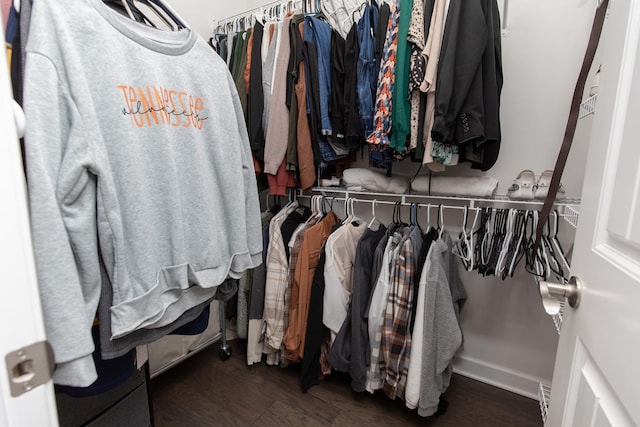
[427, 411]
[177, 289]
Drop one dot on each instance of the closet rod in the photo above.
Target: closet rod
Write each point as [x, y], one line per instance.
[472, 201]
[385, 202]
[297, 5]
[568, 209]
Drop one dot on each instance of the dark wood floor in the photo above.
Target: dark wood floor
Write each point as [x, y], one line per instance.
[205, 391]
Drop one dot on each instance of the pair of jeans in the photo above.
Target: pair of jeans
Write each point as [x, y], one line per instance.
[318, 32]
[367, 67]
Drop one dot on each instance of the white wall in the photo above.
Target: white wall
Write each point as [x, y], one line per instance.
[201, 14]
[509, 339]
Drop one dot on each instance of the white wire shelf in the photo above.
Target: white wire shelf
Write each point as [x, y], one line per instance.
[557, 319]
[567, 208]
[571, 213]
[588, 106]
[544, 397]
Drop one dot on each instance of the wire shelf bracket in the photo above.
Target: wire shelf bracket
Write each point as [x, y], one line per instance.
[588, 106]
[544, 397]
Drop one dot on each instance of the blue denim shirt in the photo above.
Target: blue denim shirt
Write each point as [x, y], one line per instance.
[367, 67]
[319, 33]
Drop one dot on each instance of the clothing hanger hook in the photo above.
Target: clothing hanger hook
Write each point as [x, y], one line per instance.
[466, 216]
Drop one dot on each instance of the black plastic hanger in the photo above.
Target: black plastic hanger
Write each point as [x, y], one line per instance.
[169, 12]
[158, 7]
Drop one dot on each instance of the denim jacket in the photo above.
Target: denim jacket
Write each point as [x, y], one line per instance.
[318, 32]
[367, 67]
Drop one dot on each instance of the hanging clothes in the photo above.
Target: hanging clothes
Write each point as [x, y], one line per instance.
[238, 67]
[379, 139]
[396, 337]
[275, 287]
[255, 97]
[88, 189]
[431, 55]
[308, 154]
[278, 126]
[315, 62]
[354, 138]
[338, 273]
[377, 307]
[368, 65]
[401, 112]
[416, 38]
[470, 82]
[350, 350]
[318, 32]
[295, 58]
[268, 71]
[444, 296]
[291, 337]
[341, 15]
[314, 239]
[315, 331]
[337, 91]
[256, 301]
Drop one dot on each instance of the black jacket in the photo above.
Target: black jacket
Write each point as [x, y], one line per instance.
[470, 81]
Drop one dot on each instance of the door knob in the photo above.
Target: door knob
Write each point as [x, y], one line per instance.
[552, 293]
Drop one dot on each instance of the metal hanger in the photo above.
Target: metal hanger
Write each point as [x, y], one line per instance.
[374, 218]
[463, 248]
[440, 220]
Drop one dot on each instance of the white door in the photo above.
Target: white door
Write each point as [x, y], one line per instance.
[20, 312]
[596, 381]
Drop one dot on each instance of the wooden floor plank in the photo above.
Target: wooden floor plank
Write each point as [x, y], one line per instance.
[282, 414]
[206, 391]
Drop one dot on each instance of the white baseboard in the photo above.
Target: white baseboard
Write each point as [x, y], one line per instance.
[498, 376]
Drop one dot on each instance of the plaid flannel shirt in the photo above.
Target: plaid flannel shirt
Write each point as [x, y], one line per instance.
[376, 313]
[276, 285]
[395, 345]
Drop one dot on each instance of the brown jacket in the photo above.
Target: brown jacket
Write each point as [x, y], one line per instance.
[314, 239]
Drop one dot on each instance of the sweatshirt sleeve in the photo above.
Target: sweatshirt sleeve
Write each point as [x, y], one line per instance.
[62, 198]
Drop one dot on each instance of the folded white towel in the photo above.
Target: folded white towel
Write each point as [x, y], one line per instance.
[471, 186]
[366, 179]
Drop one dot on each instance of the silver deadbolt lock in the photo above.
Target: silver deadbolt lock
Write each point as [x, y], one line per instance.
[552, 293]
[29, 367]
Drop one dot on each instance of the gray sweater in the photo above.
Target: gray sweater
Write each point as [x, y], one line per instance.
[442, 336]
[137, 153]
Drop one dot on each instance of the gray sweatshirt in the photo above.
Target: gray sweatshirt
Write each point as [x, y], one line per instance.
[442, 336]
[136, 152]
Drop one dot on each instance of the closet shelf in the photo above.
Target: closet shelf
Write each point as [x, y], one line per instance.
[544, 396]
[588, 106]
[567, 208]
[557, 319]
[571, 214]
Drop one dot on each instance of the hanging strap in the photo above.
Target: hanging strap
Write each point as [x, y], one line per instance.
[572, 122]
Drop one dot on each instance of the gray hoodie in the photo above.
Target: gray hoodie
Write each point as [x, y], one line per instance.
[137, 153]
